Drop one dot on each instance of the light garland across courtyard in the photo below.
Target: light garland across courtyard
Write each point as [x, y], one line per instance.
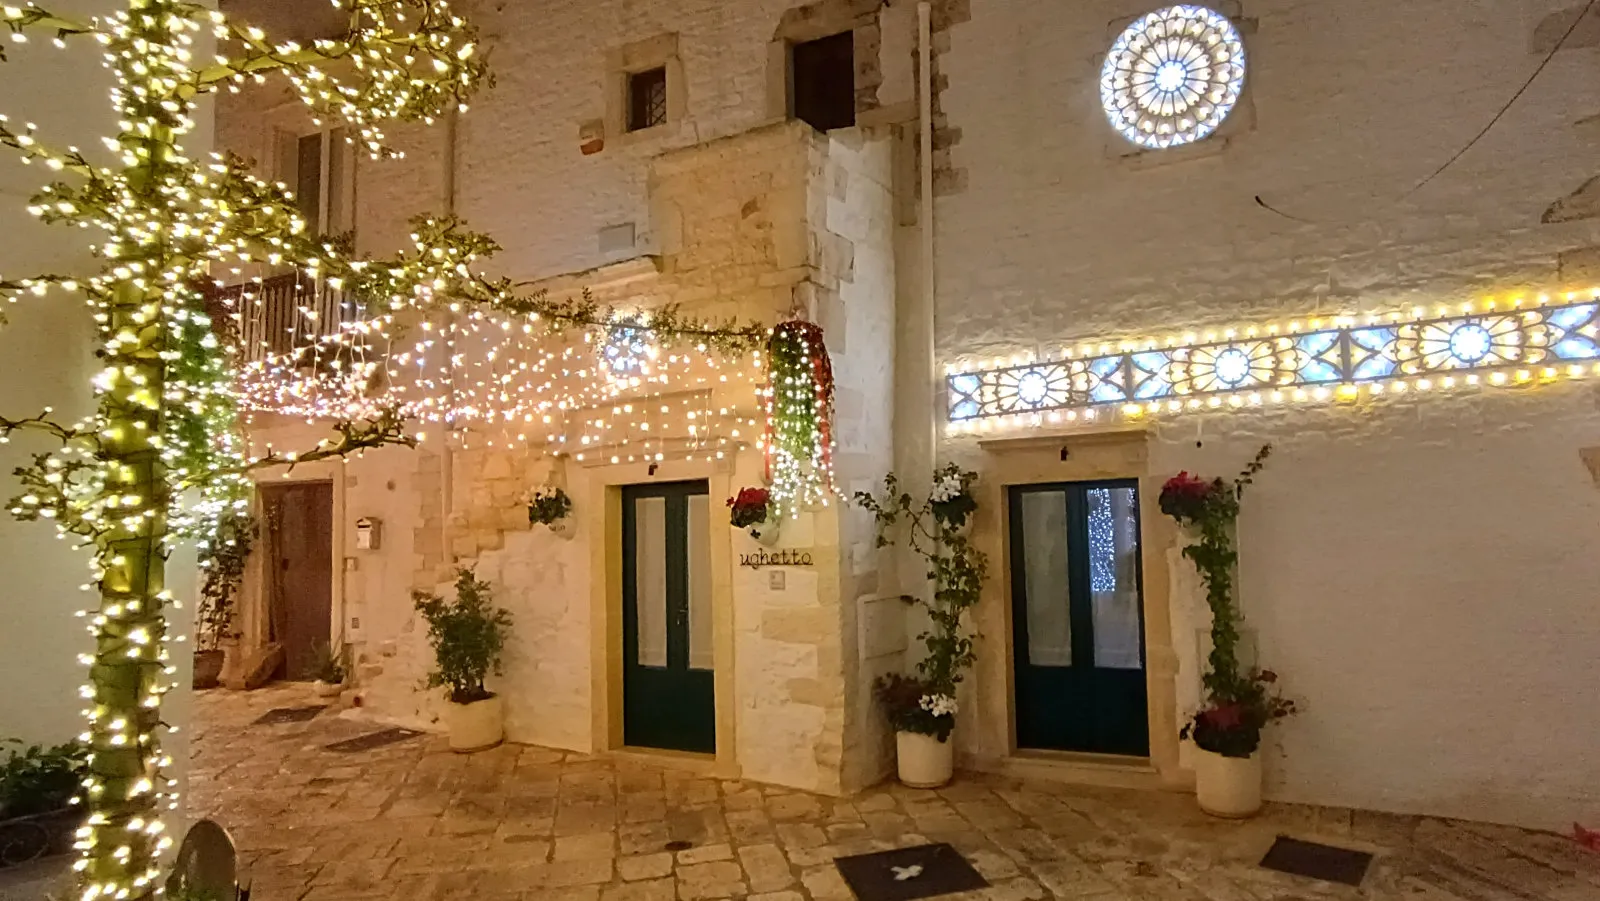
[1509, 342]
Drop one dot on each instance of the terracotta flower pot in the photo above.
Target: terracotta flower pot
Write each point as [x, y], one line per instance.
[1227, 786]
[208, 668]
[477, 726]
[924, 761]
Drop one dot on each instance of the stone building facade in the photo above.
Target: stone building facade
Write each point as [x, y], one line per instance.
[1419, 566]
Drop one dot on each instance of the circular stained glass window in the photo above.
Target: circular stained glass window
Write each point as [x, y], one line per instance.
[1173, 76]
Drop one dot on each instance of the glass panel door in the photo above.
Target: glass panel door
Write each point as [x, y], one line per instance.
[667, 679]
[1078, 618]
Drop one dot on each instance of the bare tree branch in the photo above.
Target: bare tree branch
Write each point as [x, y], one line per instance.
[387, 428]
[30, 17]
[41, 423]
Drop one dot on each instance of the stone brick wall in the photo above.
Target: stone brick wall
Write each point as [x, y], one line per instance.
[1421, 572]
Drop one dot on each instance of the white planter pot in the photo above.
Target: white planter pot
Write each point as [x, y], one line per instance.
[766, 531]
[924, 761]
[476, 726]
[1227, 786]
[327, 690]
[561, 528]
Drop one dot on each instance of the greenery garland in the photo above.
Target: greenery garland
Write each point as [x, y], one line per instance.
[935, 531]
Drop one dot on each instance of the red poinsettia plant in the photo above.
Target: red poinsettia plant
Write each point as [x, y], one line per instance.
[1231, 725]
[749, 507]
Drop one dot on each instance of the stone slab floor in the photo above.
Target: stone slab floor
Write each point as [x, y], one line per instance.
[412, 822]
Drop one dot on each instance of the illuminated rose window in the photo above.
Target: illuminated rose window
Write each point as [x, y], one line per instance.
[1173, 76]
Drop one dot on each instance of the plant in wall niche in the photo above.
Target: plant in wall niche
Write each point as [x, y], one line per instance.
[799, 439]
[548, 506]
[754, 511]
[467, 636]
[1239, 703]
[934, 529]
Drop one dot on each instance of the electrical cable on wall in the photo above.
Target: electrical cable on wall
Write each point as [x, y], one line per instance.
[1493, 121]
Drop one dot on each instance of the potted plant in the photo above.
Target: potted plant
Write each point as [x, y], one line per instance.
[330, 670]
[923, 709]
[1239, 703]
[550, 507]
[38, 789]
[223, 559]
[754, 511]
[922, 719]
[467, 635]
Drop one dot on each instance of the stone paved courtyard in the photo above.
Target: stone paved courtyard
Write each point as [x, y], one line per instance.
[412, 821]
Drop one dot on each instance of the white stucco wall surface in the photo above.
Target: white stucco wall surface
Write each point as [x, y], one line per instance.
[1423, 571]
[47, 347]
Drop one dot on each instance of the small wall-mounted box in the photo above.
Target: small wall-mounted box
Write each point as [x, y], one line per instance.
[369, 533]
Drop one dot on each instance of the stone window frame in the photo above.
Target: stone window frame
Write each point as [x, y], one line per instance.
[822, 20]
[621, 63]
[991, 742]
[1240, 121]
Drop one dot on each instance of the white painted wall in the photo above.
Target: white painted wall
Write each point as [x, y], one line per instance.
[46, 350]
[46, 346]
[1422, 573]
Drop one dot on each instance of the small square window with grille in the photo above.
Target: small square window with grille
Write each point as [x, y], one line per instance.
[647, 98]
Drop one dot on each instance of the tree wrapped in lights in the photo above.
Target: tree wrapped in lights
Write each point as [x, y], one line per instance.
[165, 425]
[799, 440]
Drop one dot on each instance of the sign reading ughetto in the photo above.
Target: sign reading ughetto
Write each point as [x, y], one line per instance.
[775, 558]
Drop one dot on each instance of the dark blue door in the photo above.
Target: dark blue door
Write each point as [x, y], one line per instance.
[1078, 618]
[667, 693]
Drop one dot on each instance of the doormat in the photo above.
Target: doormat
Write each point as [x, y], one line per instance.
[281, 715]
[1317, 861]
[372, 740]
[906, 874]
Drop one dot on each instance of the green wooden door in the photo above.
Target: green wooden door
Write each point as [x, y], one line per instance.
[1078, 618]
[667, 695]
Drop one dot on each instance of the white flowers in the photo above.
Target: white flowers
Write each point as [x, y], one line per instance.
[939, 705]
[947, 488]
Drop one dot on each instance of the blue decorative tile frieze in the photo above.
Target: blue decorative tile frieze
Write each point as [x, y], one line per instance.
[1498, 343]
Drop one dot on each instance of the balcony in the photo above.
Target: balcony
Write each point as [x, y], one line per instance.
[284, 322]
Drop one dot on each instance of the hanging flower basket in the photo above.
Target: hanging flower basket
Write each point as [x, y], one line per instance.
[754, 511]
[550, 507]
[800, 407]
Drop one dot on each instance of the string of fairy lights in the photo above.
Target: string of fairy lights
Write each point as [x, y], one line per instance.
[493, 378]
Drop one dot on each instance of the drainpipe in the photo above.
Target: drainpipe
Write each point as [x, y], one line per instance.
[447, 478]
[929, 295]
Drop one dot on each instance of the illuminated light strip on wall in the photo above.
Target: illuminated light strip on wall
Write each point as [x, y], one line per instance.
[1496, 343]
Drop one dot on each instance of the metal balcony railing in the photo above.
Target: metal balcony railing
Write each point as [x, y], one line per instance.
[283, 321]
